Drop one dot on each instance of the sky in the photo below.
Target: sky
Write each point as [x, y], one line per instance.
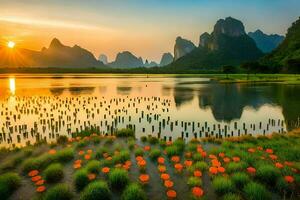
[147, 28]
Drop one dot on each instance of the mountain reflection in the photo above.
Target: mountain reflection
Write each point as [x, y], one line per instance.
[81, 90]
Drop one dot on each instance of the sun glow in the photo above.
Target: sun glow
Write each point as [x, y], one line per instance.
[12, 85]
[11, 44]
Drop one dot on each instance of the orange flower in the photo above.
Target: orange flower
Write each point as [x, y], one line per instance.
[178, 167]
[212, 156]
[289, 179]
[290, 164]
[279, 165]
[221, 169]
[169, 143]
[236, 159]
[142, 163]
[139, 158]
[221, 154]
[147, 148]
[105, 170]
[213, 170]
[162, 168]
[77, 166]
[128, 162]
[273, 157]
[80, 152]
[215, 163]
[126, 167]
[165, 176]
[175, 159]
[203, 154]
[251, 170]
[168, 184]
[105, 155]
[188, 154]
[36, 178]
[144, 178]
[87, 156]
[197, 173]
[52, 151]
[41, 188]
[91, 176]
[78, 162]
[40, 182]
[117, 152]
[171, 194]
[260, 148]
[119, 165]
[197, 192]
[33, 173]
[188, 163]
[251, 150]
[226, 160]
[89, 151]
[160, 160]
[270, 151]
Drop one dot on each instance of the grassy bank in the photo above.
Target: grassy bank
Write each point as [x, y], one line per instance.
[93, 166]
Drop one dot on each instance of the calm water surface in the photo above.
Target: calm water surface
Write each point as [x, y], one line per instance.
[35, 107]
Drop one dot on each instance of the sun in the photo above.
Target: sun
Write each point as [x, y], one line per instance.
[11, 44]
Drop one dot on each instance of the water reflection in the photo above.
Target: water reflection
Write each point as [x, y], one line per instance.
[12, 85]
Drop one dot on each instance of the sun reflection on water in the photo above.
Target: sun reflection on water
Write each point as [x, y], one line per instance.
[12, 85]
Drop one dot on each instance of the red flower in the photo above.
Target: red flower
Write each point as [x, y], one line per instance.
[279, 165]
[289, 179]
[197, 192]
[251, 170]
[270, 151]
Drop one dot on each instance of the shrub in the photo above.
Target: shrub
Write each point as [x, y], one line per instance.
[62, 139]
[154, 154]
[197, 157]
[179, 143]
[64, 155]
[200, 165]
[81, 144]
[9, 182]
[194, 181]
[231, 196]
[54, 173]
[240, 179]
[139, 152]
[172, 151]
[122, 157]
[131, 144]
[134, 192]
[125, 132]
[152, 140]
[96, 140]
[38, 163]
[100, 152]
[223, 185]
[144, 139]
[96, 191]
[267, 174]
[255, 191]
[93, 166]
[118, 178]
[59, 192]
[162, 143]
[234, 167]
[81, 179]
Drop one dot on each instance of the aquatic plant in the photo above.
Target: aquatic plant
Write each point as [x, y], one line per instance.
[223, 185]
[81, 179]
[255, 191]
[59, 192]
[118, 178]
[97, 190]
[9, 182]
[54, 173]
[134, 192]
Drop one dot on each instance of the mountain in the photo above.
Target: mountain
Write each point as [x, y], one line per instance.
[287, 54]
[266, 43]
[166, 59]
[126, 59]
[150, 64]
[182, 47]
[228, 44]
[57, 55]
[103, 58]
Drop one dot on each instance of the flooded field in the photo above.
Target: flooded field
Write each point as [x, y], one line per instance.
[42, 107]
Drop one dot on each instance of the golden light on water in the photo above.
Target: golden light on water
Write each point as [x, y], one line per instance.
[11, 44]
[12, 85]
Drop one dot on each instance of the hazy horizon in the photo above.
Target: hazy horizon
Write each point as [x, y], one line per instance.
[145, 28]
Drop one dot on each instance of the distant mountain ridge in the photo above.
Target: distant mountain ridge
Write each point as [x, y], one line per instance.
[166, 59]
[228, 44]
[182, 47]
[126, 59]
[57, 55]
[266, 43]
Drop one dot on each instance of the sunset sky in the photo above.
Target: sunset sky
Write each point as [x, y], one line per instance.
[147, 28]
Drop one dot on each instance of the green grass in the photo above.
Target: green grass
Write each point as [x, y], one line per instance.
[54, 173]
[172, 150]
[223, 185]
[59, 192]
[139, 152]
[231, 196]
[134, 192]
[93, 166]
[255, 191]
[122, 157]
[235, 166]
[240, 179]
[9, 182]
[97, 190]
[125, 132]
[118, 179]
[194, 181]
[267, 174]
[81, 179]
[200, 165]
[154, 153]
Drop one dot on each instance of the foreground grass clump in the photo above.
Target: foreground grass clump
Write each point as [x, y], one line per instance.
[122, 157]
[81, 179]
[54, 173]
[232, 196]
[267, 173]
[223, 185]
[93, 166]
[240, 179]
[125, 132]
[154, 154]
[172, 151]
[96, 191]
[9, 182]
[59, 192]
[255, 191]
[64, 155]
[118, 179]
[134, 192]
[194, 181]
[37, 163]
